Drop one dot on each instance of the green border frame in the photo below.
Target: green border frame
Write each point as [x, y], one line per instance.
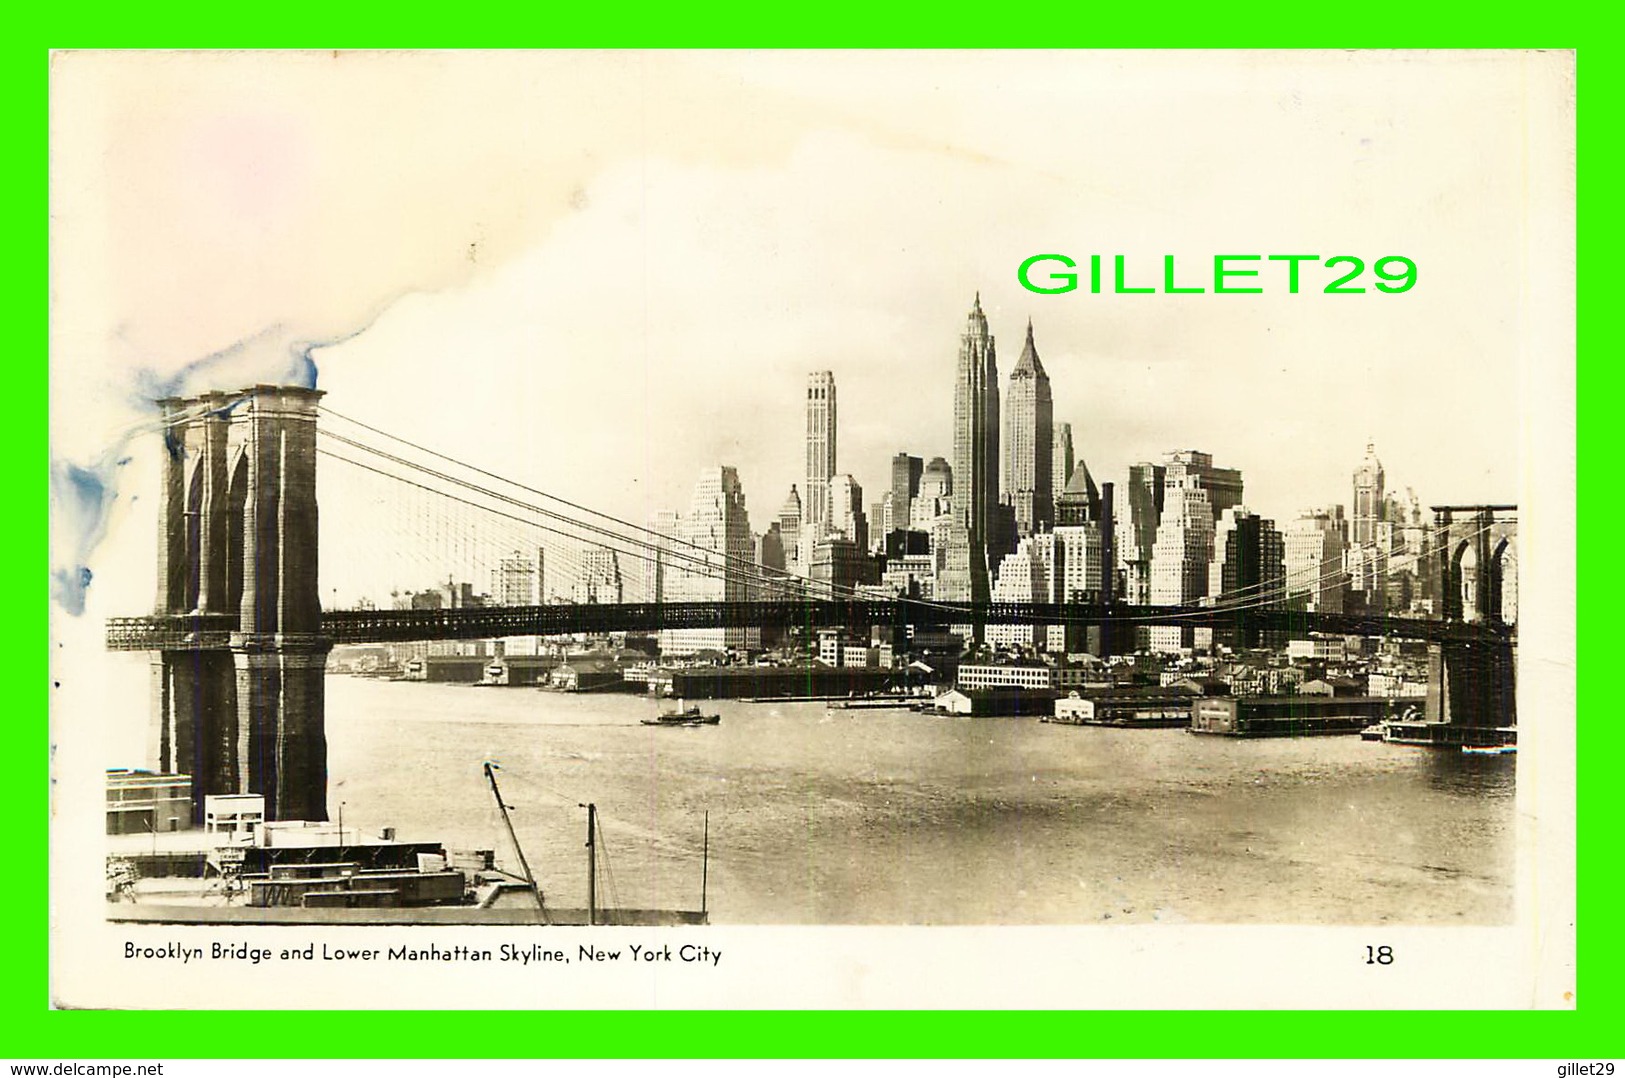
[32, 1030]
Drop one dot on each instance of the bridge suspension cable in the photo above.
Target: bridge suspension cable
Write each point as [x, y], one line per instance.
[662, 542]
[706, 562]
[647, 545]
[1271, 592]
[489, 510]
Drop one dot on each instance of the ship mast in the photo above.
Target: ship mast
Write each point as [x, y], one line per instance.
[592, 866]
[490, 774]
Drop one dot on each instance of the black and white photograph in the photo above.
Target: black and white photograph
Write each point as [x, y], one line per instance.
[812, 529]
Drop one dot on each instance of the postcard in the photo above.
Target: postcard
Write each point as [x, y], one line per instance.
[812, 529]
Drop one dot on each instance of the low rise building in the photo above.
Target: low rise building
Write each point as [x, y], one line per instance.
[974, 676]
[1324, 648]
[146, 801]
[1001, 701]
[1264, 680]
[1397, 685]
[1287, 716]
[1069, 677]
[585, 675]
[236, 816]
[859, 656]
[1144, 707]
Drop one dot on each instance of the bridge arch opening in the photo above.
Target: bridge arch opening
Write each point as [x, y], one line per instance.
[1461, 601]
[194, 537]
[236, 505]
[1504, 580]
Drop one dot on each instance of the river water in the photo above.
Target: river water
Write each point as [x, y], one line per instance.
[830, 816]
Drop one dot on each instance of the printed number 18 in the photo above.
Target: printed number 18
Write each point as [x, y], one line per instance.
[1379, 956]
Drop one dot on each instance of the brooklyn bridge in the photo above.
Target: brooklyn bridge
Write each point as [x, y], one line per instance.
[240, 638]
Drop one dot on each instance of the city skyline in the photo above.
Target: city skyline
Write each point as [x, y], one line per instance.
[590, 295]
[623, 297]
[572, 583]
[1189, 476]
[822, 434]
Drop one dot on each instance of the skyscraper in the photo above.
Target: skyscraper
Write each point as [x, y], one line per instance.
[820, 449]
[906, 473]
[1368, 502]
[1192, 486]
[1406, 537]
[1248, 568]
[663, 526]
[1314, 560]
[772, 582]
[1061, 459]
[1079, 503]
[1137, 526]
[1223, 485]
[1083, 559]
[1066, 565]
[600, 579]
[720, 562]
[846, 514]
[513, 581]
[1367, 560]
[1180, 558]
[976, 452]
[1033, 574]
[1029, 420]
[795, 557]
[935, 497]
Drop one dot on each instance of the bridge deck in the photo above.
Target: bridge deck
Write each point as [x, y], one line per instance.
[216, 631]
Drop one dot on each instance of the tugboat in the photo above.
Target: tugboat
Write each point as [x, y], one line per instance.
[683, 716]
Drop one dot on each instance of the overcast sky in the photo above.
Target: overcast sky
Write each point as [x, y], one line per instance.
[599, 273]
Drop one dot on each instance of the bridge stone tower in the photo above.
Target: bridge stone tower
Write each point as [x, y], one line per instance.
[239, 705]
[1472, 685]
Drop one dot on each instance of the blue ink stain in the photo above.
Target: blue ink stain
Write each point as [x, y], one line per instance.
[290, 364]
[225, 410]
[71, 478]
[151, 387]
[70, 587]
[84, 495]
[303, 371]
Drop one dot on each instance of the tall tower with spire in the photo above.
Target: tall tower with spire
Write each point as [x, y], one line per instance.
[1029, 421]
[1367, 556]
[976, 443]
[1368, 495]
